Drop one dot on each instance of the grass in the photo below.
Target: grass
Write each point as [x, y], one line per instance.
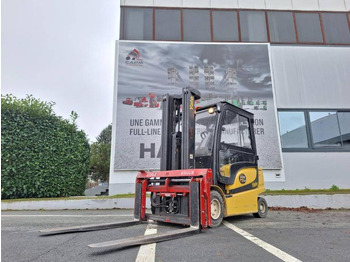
[307, 191]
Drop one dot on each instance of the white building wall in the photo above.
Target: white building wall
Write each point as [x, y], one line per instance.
[311, 76]
[304, 77]
[314, 170]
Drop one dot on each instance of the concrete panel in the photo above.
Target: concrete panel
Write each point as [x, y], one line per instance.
[314, 170]
[138, 2]
[122, 182]
[252, 4]
[332, 5]
[279, 4]
[196, 3]
[311, 76]
[224, 3]
[305, 5]
[168, 3]
[294, 201]
[72, 204]
[310, 201]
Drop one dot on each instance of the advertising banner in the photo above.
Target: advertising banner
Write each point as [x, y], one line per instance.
[237, 73]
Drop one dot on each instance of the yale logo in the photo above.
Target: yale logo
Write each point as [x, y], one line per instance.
[242, 178]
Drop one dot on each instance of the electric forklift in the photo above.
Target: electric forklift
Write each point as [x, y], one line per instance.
[208, 171]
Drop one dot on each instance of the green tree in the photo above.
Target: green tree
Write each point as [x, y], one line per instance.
[43, 155]
[100, 155]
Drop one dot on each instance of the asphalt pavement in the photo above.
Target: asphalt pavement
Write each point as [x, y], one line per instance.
[292, 236]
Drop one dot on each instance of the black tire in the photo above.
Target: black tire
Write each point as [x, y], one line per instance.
[262, 208]
[218, 208]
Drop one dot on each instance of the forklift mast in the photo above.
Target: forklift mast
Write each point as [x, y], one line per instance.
[178, 130]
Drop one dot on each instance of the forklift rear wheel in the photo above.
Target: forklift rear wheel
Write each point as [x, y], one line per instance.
[217, 208]
[262, 208]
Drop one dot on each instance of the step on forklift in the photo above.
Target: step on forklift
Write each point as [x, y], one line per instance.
[208, 171]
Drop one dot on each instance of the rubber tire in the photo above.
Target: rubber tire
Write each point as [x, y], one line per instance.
[216, 195]
[262, 213]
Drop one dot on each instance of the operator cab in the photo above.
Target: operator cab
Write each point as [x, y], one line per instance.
[224, 140]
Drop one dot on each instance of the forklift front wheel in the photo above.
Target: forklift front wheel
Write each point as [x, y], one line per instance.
[217, 208]
[262, 208]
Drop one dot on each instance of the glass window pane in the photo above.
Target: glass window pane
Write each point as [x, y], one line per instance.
[230, 127]
[204, 138]
[325, 129]
[293, 129]
[121, 23]
[196, 25]
[138, 24]
[225, 26]
[309, 27]
[281, 26]
[168, 24]
[344, 122]
[336, 28]
[244, 132]
[253, 26]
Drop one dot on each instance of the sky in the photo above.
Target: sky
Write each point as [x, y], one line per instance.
[62, 51]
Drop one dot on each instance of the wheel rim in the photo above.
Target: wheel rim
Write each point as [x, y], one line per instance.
[262, 207]
[215, 209]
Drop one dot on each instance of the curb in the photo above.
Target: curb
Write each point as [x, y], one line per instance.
[335, 201]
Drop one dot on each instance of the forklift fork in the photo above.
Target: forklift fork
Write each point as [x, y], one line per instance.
[191, 183]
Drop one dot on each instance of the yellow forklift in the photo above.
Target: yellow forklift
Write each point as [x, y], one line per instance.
[208, 171]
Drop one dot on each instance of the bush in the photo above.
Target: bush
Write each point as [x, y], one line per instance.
[334, 188]
[100, 155]
[43, 155]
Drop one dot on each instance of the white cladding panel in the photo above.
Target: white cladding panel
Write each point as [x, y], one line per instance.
[332, 5]
[139, 2]
[168, 3]
[314, 170]
[305, 4]
[279, 4]
[196, 3]
[251, 4]
[311, 76]
[224, 3]
[347, 5]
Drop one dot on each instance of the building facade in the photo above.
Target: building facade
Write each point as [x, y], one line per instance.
[309, 56]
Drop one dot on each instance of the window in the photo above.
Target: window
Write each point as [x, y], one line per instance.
[253, 26]
[281, 25]
[336, 28]
[225, 26]
[205, 25]
[344, 123]
[196, 25]
[293, 129]
[138, 24]
[325, 129]
[244, 132]
[167, 24]
[314, 130]
[309, 27]
[235, 130]
[230, 129]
